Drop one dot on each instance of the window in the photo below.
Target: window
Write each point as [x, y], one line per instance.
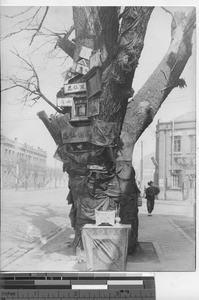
[192, 141]
[80, 110]
[177, 143]
[176, 179]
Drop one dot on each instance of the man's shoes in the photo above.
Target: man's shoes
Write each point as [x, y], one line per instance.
[149, 214]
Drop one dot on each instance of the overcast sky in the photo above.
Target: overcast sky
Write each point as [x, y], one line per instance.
[23, 123]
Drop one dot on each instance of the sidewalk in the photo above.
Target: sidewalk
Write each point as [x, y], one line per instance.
[173, 249]
[164, 247]
[174, 202]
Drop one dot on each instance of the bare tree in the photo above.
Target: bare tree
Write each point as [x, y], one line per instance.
[29, 22]
[17, 172]
[30, 84]
[21, 172]
[120, 39]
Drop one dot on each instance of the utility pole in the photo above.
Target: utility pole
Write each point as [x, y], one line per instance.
[165, 164]
[141, 167]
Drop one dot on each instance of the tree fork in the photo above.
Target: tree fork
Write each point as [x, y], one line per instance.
[150, 97]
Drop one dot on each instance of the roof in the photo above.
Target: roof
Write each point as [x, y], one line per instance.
[190, 116]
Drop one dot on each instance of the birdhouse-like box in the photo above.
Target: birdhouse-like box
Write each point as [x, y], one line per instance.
[80, 68]
[68, 74]
[95, 60]
[79, 109]
[84, 53]
[93, 82]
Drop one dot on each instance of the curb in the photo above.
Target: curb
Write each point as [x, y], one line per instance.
[182, 232]
[38, 245]
[53, 236]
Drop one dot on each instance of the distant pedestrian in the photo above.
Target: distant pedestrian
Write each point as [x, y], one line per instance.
[151, 192]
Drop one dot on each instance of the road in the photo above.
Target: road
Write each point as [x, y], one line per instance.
[30, 219]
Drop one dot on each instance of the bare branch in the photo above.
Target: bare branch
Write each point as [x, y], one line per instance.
[37, 29]
[52, 33]
[30, 86]
[8, 88]
[17, 31]
[51, 104]
[70, 31]
[32, 104]
[31, 19]
[31, 67]
[25, 27]
[168, 11]
[40, 25]
[42, 45]
[21, 13]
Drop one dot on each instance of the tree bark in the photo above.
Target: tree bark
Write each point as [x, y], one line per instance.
[118, 76]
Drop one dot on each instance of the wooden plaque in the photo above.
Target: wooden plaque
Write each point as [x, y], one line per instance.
[66, 101]
[93, 82]
[76, 134]
[74, 88]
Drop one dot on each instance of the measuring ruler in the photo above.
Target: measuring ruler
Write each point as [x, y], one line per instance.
[78, 286]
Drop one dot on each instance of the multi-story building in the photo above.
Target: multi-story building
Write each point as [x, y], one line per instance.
[176, 158]
[21, 164]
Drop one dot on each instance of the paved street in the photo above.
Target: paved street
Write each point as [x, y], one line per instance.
[28, 220]
[35, 231]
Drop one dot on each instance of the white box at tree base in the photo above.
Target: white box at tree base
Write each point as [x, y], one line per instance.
[105, 217]
[105, 247]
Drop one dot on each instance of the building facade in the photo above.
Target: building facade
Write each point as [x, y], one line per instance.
[21, 165]
[176, 158]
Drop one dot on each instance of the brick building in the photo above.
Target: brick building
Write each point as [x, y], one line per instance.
[176, 157]
[21, 164]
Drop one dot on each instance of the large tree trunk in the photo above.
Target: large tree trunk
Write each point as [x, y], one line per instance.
[98, 28]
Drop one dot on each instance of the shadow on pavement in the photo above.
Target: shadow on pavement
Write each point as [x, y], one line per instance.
[145, 253]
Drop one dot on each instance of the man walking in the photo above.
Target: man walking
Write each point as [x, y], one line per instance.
[151, 192]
